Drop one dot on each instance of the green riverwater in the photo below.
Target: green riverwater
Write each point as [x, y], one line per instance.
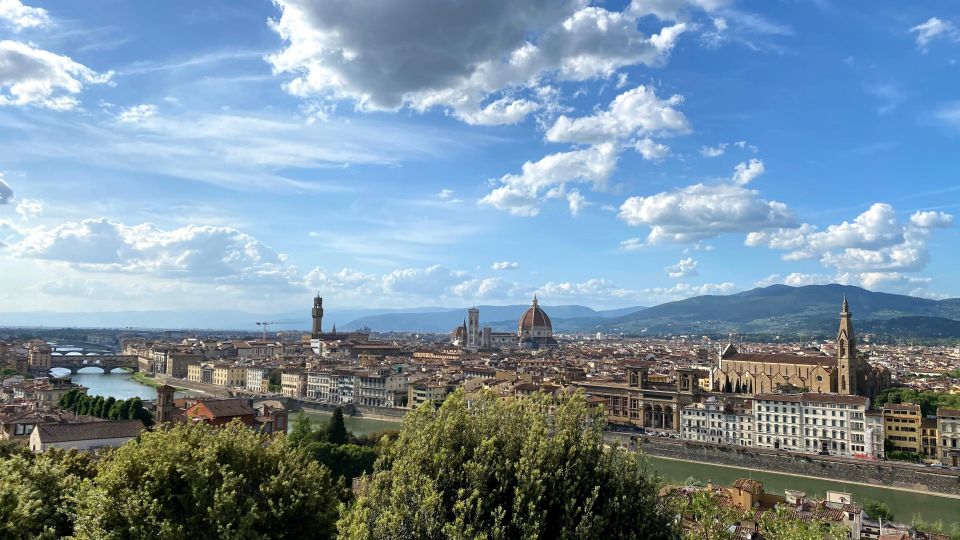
[903, 503]
[356, 425]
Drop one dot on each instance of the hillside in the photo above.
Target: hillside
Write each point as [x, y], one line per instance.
[782, 309]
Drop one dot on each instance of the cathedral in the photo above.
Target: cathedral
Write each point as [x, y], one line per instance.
[844, 373]
[534, 331]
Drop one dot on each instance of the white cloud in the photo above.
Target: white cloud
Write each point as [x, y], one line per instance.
[591, 289]
[20, 16]
[651, 150]
[576, 201]
[934, 29]
[795, 279]
[505, 265]
[137, 113]
[218, 255]
[874, 242]
[949, 114]
[637, 111]
[687, 290]
[485, 288]
[632, 244]
[699, 212]
[485, 53]
[713, 151]
[521, 194]
[425, 281]
[744, 144]
[29, 208]
[684, 268]
[746, 172]
[30, 76]
[6, 192]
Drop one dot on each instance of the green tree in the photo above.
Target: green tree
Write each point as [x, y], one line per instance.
[705, 516]
[525, 468]
[124, 412]
[337, 431]
[878, 510]
[302, 432]
[107, 406]
[201, 482]
[37, 494]
[782, 524]
[114, 413]
[97, 408]
[345, 461]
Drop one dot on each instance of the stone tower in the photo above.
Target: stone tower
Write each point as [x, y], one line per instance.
[473, 328]
[164, 403]
[317, 317]
[847, 363]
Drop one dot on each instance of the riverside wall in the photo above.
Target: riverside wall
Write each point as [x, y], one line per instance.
[879, 473]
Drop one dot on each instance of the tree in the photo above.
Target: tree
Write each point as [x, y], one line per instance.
[705, 516]
[124, 412]
[738, 389]
[114, 413]
[337, 431]
[877, 510]
[199, 481]
[302, 432]
[727, 387]
[782, 524]
[108, 406]
[37, 493]
[97, 408]
[534, 467]
[345, 461]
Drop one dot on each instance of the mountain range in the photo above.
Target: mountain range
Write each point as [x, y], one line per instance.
[811, 310]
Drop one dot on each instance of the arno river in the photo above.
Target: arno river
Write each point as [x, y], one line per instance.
[904, 504]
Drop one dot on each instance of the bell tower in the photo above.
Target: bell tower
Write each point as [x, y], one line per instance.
[317, 317]
[848, 366]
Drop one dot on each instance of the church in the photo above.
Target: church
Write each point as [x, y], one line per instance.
[845, 373]
[534, 331]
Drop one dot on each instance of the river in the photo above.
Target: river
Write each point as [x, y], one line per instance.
[119, 384]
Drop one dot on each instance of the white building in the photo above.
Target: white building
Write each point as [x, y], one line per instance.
[717, 422]
[258, 379]
[84, 435]
[812, 422]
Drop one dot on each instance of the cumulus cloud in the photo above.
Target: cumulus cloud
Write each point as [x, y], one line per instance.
[746, 172]
[137, 113]
[19, 16]
[686, 290]
[932, 30]
[29, 208]
[422, 281]
[700, 211]
[392, 55]
[577, 202]
[485, 288]
[6, 192]
[651, 150]
[632, 244]
[795, 279]
[505, 265]
[30, 76]
[876, 241]
[595, 288]
[219, 255]
[637, 111]
[521, 194]
[684, 268]
[713, 151]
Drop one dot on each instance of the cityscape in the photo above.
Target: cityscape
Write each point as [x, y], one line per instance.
[651, 269]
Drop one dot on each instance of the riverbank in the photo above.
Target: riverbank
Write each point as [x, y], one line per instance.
[146, 380]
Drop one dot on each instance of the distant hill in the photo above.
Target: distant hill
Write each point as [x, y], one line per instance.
[498, 317]
[782, 309]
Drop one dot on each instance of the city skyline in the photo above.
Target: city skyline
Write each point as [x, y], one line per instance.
[596, 154]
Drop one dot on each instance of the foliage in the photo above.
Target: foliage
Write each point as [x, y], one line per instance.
[110, 408]
[705, 516]
[489, 468]
[692, 482]
[37, 493]
[197, 481]
[337, 432]
[302, 432]
[345, 461]
[878, 510]
[782, 524]
[928, 400]
[900, 455]
[936, 527]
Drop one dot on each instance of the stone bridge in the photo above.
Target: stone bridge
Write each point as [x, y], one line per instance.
[106, 362]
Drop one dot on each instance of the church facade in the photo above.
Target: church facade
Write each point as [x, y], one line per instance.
[844, 373]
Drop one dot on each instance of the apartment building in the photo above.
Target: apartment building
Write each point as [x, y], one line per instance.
[778, 421]
[929, 438]
[718, 422]
[229, 375]
[293, 383]
[813, 422]
[258, 379]
[901, 426]
[948, 428]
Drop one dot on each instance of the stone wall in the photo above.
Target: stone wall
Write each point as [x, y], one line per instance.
[880, 473]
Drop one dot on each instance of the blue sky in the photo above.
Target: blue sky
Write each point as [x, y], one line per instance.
[421, 152]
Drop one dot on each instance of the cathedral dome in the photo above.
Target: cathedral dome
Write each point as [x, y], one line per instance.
[535, 322]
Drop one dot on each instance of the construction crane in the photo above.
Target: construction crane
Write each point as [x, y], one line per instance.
[266, 326]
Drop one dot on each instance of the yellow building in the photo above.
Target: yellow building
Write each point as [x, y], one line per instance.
[229, 376]
[194, 372]
[39, 356]
[901, 425]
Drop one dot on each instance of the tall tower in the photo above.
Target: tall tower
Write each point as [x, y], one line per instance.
[317, 317]
[165, 403]
[473, 328]
[847, 363]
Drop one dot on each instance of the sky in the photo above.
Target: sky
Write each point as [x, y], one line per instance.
[401, 153]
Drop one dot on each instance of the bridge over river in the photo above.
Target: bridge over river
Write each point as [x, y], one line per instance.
[75, 361]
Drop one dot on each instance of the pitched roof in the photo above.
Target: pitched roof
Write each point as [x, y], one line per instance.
[226, 407]
[86, 431]
[782, 358]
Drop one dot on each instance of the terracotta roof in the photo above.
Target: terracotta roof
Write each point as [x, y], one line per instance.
[86, 431]
[943, 411]
[782, 358]
[534, 316]
[227, 407]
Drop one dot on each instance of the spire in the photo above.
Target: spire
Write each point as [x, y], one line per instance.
[534, 300]
[846, 306]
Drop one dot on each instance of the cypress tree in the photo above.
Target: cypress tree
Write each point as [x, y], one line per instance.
[337, 432]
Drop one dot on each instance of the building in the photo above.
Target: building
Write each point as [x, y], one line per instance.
[901, 426]
[421, 392]
[845, 373]
[84, 435]
[929, 438]
[165, 408]
[258, 379]
[218, 412]
[201, 373]
[875, 434]
[39, 356]
[293, 383]
[534, 331]
[229, 375]
[643, 402]
[718, 422]
[948, 427]
[45, 391]
[812, 422]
